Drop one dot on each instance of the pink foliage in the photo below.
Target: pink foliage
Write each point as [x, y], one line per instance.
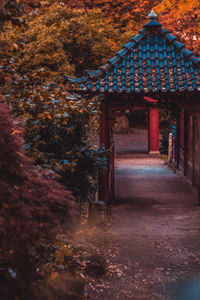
[32, 208]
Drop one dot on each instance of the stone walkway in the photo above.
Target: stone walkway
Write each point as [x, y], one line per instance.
[136, 141]
[156, 229]
[155, 232]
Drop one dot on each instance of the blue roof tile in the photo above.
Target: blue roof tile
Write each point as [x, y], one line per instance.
[152, 61]
[170, 37]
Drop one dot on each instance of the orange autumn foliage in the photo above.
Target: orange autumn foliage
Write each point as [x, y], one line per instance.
[33, 208]
[124, 15]
[182, 18]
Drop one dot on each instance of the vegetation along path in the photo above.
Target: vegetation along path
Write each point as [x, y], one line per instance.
[155, 235]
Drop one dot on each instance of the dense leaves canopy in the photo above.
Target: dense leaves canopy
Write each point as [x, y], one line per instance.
[11, 10]
[32, 72]
[124, 15]
[182, 18]
[56, 41]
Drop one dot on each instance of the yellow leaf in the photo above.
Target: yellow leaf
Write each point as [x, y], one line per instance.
[15, 131]
[20, 154]
[61, 253]
[53, 275]
[85, 297]
[68, 252]
[16, 46]
[4, 205]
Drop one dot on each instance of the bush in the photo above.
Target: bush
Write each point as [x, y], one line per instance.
[33, 64]
[32, 210]
[60, 144]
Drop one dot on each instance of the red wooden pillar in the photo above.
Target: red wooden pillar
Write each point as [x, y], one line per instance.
[189, 133]
[111, 166]
[181, 135]
[186, 146]
[153, 131]
[189, 147]
[177, 138]
[104, 141]
[193, 150]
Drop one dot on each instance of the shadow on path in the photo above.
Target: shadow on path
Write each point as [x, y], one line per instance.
[156, 234]
[156, 228]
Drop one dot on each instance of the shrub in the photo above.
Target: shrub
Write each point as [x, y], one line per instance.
[61, 144]
[32, 210]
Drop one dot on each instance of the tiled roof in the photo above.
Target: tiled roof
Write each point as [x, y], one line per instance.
[152, 62]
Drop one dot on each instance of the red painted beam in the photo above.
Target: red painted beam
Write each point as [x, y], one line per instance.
[150, 100]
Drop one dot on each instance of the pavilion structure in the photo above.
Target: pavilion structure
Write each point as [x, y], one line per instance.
[153, 70]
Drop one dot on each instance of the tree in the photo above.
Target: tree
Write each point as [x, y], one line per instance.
[127, 16]
[58, 41]
[11, 10]
[32, 209]
[56, 122]
[178, 16]
[182, 18]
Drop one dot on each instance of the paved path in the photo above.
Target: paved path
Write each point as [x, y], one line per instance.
[136, 141]
[156, 234]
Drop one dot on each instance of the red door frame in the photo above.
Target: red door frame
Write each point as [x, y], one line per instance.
[109, 111]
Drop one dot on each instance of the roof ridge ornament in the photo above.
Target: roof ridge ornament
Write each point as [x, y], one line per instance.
[153, 15]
